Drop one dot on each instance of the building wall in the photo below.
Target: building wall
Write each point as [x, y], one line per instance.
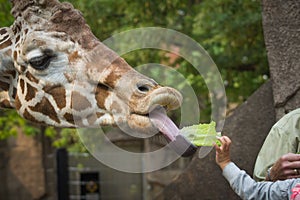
[22, 172]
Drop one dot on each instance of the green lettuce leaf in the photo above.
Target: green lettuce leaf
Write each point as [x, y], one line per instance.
[202, 134]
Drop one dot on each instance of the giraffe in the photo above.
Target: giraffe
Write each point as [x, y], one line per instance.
[55, 72]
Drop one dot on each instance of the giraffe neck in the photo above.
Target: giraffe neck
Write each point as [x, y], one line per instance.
[8, 75]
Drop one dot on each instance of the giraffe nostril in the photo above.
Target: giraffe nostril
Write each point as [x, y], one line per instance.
[143, 88]
[145, 85]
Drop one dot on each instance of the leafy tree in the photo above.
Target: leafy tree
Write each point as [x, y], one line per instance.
[231, 31]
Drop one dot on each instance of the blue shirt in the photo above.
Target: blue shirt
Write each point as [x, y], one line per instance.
[248, 189]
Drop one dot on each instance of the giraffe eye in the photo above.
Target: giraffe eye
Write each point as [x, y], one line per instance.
[40, 62]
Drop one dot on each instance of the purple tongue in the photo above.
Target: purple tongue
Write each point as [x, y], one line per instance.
[178, 142]
[164, 124]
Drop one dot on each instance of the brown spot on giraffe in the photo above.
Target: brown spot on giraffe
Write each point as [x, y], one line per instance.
[23, 68]
[3, 31]
[17, 27]
[9, 52]
[4, 85]
[79, 102]
[17, 39]
[45, 107]
[101, 94]
[5, 38]
[13, 73]
[38, 42]
[116, 107]
[5, 104]
[91, 119]
[15, 55]
[5, 44]
[116, 72]
[99, 114]
[58, 94]
[74, 56]
[14, 93]
[31, 77]
[31, 92]
[69, 117]
[73, 119]
[17, 102]
[29, 117]
[22, 86]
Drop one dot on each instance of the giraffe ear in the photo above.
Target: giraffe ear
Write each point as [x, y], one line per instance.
[6, 62]
[7, 88]
[7, 70]
[8, 76]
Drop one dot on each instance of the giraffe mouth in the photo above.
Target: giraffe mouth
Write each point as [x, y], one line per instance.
[160, 122]
[166, 126]
[164, 97]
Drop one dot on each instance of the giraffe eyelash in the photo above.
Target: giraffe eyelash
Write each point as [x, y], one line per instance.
[40, 62]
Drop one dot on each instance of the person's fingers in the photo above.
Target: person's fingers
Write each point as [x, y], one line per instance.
[218, 149]
[291, 157]
[227, 142]
[294, 165]
[290, 172]
[224, 141]
[221, 139]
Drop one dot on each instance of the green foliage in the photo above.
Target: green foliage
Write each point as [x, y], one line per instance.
[231, 31]
[6, 19]
[11, 123]
[67, 138]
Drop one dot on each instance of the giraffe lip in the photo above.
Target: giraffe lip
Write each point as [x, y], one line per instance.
[140, 115]
[150, 110]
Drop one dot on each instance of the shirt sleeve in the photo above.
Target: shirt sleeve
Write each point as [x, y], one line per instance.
[284, 134]
[248, 189]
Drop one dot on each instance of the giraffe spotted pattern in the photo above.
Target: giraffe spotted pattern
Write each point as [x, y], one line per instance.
[54, 71]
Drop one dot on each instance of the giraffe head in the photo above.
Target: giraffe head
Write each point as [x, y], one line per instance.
[54, 71]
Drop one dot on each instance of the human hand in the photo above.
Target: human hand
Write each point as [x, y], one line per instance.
[223, 152]
[286, 167]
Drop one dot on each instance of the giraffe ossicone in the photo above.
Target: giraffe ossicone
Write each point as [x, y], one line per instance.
[54, 71]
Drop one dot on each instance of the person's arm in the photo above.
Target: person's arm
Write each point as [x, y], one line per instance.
[284, 134]
[242, 184]
[248, 189]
